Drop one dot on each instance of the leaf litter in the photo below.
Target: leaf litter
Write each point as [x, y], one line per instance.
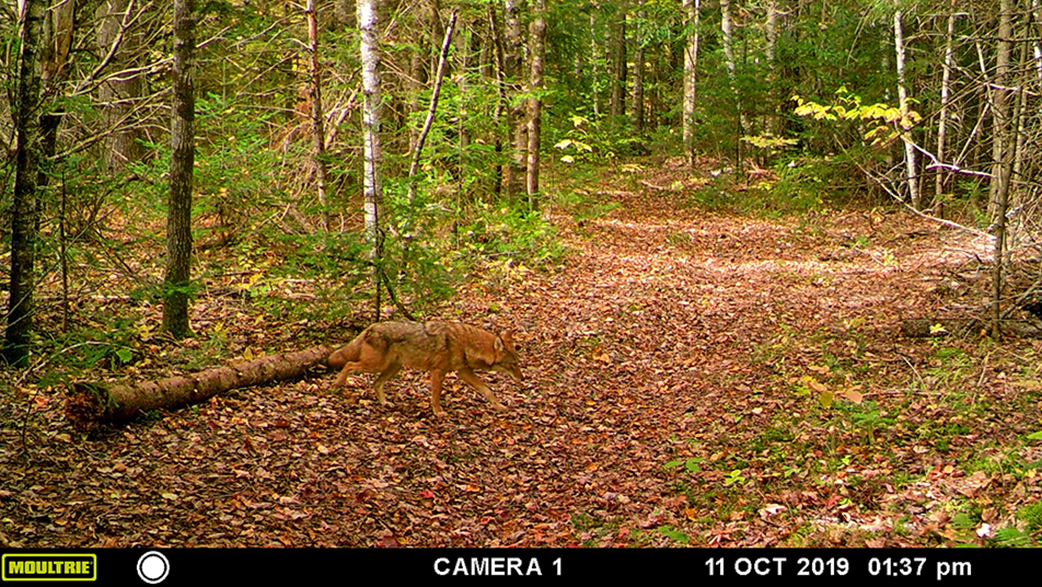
[676, 367]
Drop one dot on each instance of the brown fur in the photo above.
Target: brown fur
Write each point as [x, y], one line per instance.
[436, 347]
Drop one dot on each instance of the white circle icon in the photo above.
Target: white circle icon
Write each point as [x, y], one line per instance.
[153, 567]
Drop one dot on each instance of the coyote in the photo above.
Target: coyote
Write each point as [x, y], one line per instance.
[435, 347]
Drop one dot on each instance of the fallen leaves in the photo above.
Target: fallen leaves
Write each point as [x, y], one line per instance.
[692, 379]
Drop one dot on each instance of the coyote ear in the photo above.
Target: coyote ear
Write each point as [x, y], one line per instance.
[499, 345]
[507, 336]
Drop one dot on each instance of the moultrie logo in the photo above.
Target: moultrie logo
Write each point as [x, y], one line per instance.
[50, 567]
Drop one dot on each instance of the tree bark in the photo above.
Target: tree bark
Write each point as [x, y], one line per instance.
[432, 110]
[372, 118]
[182, 162]
[501, 97]
[1001, 109]
[318, 133]
[596, 56]
[942, 123]
[774, 123]
[637, 107]
[118, 95]
[911, 172]
[692, 11]
[24, 210]
[618, 58]
[727, 30]
[1001, 160]
[512, 61]
[537, 50]
[92, 404]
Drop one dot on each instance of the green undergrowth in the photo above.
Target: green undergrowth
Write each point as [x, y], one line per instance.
[835, 441]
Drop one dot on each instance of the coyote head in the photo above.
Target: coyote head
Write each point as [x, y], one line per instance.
[506, 356]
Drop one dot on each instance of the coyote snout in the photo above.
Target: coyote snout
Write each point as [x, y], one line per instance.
[436, 347]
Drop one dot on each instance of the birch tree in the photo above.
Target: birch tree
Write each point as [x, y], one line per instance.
[692, 13]
[911, 173]
[372, 116]
[537, 39]
[942, 122]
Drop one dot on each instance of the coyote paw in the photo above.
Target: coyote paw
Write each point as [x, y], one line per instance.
[500, 407]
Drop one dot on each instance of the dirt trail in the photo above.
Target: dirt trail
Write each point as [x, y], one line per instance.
[669, 335]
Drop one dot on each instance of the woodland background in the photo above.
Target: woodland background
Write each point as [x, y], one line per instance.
[727, 232]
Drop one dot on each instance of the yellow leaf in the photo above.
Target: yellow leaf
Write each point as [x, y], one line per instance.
[826, 399]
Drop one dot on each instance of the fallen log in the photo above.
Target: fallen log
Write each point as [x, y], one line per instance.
[962, 328]
[91, 404]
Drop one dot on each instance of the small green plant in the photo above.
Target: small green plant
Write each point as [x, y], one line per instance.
[674, 533]
[1031, 515]
[1011, 537]
[869, 419]
[734, 478]
[690, 464]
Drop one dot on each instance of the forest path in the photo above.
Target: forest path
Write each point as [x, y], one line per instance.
[672, 333]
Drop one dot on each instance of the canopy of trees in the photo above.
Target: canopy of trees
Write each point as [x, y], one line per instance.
[930, 103]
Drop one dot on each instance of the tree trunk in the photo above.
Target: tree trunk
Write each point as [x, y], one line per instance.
[692, 11]
[773, 118]
[182, 162]
[911, 173]
[596, 56]
[119, 94]
[432, 110]
[512, 60]
[727, 29]
[92, 404]
[637, 108]
[1001, 110]
[618, 58]
[1036, 46]
[1001, 160]
[501, 97]
[372, 118]
[24, 210]
[318, 133]
[942, 123]
[537, 50]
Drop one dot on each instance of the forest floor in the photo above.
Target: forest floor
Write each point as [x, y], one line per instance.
[693, 377]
